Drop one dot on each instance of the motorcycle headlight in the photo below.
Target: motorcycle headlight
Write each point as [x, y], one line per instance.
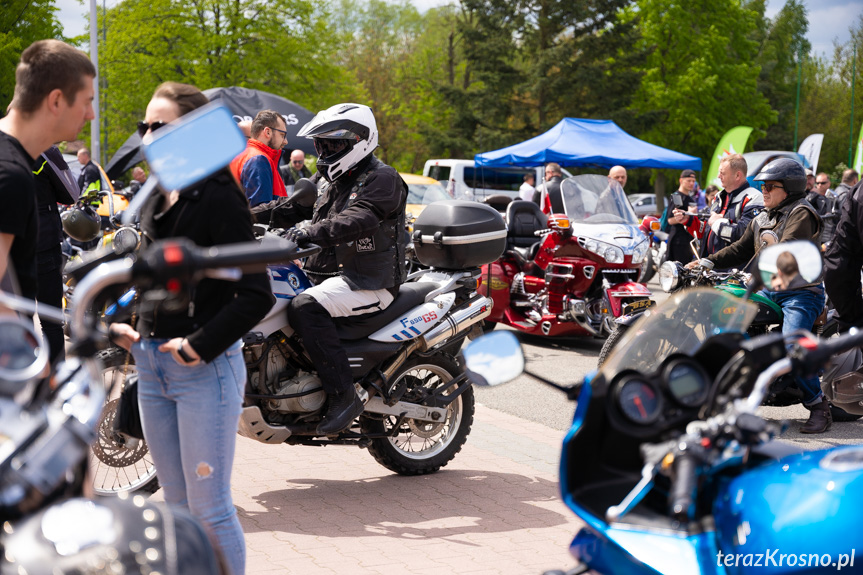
[669, 278]
[639, 252]
[125, 241]
[613, 255]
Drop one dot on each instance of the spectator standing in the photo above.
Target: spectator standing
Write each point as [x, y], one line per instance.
[733, 209]
[810, 180]
[90, 178]
[849, 180]
[824, 205]
[843, 262]
[191, 373]
[527, 189]
[618, 173]
[547, 195]
[296, 169]
[710, 193]
[680, 220]
[257, 168]
[54, 185]
[52, 102]
[138, 178]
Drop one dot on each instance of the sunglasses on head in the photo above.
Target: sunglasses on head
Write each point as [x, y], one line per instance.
[143, 127]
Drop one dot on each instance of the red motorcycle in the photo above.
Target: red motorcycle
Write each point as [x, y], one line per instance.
[573, 273]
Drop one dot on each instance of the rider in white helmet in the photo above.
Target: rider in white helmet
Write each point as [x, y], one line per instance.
[358, 220]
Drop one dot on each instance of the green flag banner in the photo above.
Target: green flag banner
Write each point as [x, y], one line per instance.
[733, 142]
[858, 157]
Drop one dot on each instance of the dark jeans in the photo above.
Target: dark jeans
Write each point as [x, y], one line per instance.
[49, 265]
[800, 309]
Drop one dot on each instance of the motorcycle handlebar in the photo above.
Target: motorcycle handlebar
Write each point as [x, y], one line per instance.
[179, 260]
[680, 497]
[814, 358]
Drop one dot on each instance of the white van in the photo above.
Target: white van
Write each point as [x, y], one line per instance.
[466, 181]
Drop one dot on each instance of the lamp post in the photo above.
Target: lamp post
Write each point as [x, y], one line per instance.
[94, 57]
[851, 126]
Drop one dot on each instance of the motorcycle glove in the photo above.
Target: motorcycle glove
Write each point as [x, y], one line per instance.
[298, 236]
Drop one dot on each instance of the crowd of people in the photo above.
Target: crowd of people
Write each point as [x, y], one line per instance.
[190, 365]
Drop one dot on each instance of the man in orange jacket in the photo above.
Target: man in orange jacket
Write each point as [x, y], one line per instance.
[257, 168]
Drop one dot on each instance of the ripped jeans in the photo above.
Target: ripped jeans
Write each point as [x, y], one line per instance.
[190, 417]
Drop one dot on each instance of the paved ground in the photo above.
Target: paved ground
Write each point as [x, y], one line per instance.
[494, 510]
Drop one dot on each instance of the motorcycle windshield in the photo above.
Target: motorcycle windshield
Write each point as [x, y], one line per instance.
[680, 325]
[595, 199]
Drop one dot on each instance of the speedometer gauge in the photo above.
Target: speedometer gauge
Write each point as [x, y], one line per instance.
[687, 383]
[639, 401]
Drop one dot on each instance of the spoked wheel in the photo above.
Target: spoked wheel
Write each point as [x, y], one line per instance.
[420, 447]
[611, 343]
[119, 463]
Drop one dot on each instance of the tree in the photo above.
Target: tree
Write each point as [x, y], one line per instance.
[22, 22]
[271, 45]
[825, 101]
[781, 54]
[699, 80]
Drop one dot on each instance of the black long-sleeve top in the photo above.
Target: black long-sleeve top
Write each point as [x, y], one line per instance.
[219, 312]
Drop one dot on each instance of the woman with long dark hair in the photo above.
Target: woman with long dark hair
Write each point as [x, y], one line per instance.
[190, 361]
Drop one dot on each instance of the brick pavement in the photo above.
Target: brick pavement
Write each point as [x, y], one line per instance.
[494, 510]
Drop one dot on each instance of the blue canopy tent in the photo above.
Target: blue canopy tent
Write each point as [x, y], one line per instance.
[588, 143]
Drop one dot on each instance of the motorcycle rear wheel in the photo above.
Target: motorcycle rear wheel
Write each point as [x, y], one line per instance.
[115, 465]
[418, 448]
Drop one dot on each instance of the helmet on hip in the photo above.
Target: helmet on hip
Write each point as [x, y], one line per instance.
[343, 135]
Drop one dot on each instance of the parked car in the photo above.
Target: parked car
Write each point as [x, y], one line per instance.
[422, 191]
[464, 181]
[643, 204]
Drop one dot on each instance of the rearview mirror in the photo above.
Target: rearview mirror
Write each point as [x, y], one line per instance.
[305, 193]
[494, 359]
[788, 265]
[198, 145]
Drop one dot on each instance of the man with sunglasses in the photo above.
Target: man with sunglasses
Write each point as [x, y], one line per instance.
[295, 169]
[257, 168]
[791, 217]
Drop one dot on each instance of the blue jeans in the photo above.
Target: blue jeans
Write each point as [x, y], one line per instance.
[190, 417]
[800, 309]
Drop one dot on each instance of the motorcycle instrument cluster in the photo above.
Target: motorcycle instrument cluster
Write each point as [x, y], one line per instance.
[663, 398]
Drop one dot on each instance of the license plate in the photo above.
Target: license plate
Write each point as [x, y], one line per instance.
[639, 305]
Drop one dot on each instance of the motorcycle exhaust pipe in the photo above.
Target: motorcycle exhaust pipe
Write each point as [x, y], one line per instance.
[457, 321]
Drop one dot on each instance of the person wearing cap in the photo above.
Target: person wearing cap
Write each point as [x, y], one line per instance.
[733, 209]
[791, 217]
[682, 224]
[810, 180]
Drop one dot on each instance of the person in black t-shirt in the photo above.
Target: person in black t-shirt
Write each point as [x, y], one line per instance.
[52, 102]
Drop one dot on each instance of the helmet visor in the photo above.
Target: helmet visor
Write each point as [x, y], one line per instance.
[328, 148]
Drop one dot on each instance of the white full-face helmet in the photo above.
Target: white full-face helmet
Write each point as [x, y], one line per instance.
[344, 135]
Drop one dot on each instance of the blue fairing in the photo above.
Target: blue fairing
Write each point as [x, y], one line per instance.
[288, 280]
[804, 505]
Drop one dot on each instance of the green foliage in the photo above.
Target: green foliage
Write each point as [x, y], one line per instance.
[270, 45]
[825, 101]
[782, 50]
[699, 78]
[22, 22]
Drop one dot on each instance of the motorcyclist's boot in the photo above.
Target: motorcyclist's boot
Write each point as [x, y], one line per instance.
[321, 340]
[343, 408]
[820, 418]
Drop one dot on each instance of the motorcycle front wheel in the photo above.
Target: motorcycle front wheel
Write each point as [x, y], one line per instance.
[119, 464]
[419, 447]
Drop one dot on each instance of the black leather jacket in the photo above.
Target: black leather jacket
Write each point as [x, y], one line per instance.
[359, 220]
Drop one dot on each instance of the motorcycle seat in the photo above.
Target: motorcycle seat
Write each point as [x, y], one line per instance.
[523, 218]
[361, 326]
